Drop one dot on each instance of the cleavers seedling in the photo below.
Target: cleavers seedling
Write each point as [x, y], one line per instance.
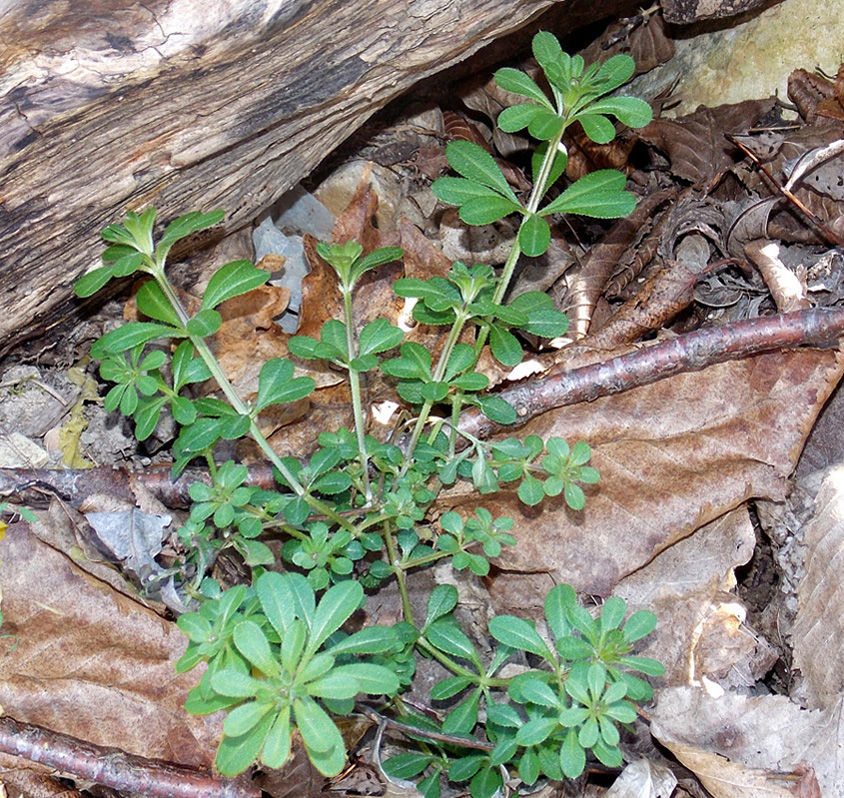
[361, 511]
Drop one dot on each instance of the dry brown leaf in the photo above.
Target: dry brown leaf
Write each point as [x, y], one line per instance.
[672, 456]
[643, 37]
[684, 598]
[643, 779]
[771, 744]
[585, 282]
[695, 144]
[92, 663]
[818, 635]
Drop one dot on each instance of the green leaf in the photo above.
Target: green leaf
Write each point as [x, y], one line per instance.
[539, 692]
[529, 768]
[244, 718]
[146, 416]
[332, 484]
[473, 382]
[130, 335]
[276, 384]
[505, 346]
[379, 336]
[333, 610]
[598, 194]
[457, 190]
[545, 125]
[235, 754]
[612, 613]
[448, 638]
[646, 665]
[152, 302]
[234, 683]
[615, 72]
[358, 677]
[575, 497]
[547, 323]
[517, 633]
[462, 358]
[517, 82]
[549, 54]
[639, 624]
[371, 640]
[450, 687]
[475, 163]
[497, 409]
[408, 765]
[486, 210]
[140, 228]
[536, 731]
[623, 712]
[321, 737]
[88, 284]
[518, 117]
[185, 225]
[630, 111]
[534, 236]
[277, 744]
[503, 715]
[252, 643]
[557, 167]
[531, 491]
[434, 392]
[254, 552]
[462, 719]
[465, 767]
[204, 323]
[231, 280]
[574, 648]
[443, 599]
[377, 257]
[597, 127]
[572, 756]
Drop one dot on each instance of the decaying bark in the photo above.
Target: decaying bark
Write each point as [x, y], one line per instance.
[110, 106]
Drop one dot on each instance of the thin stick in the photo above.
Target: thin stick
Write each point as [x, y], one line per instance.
[819, 327]
[113, 768]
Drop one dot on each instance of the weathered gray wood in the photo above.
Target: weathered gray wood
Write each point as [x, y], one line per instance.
[190, 105]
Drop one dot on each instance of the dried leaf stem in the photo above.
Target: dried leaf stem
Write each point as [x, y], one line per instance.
[110, 767]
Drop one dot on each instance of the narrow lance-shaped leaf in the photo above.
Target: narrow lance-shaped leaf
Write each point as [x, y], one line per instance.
[518, 82]
[276, 384]
[599, 194]
[152, 302]
[333, 610]
[233, 279]
[475, 163]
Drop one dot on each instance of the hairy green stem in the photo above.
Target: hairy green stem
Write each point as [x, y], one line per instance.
[453, 336]
[354, 384]
[401, 577]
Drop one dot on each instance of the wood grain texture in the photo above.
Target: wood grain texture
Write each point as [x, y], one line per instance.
[111, 106]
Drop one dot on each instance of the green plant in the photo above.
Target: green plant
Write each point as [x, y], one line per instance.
[550, 715]
[359, 510]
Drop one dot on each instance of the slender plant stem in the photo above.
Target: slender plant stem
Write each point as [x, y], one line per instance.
[401, 577]
[439, 371]
[354, 384]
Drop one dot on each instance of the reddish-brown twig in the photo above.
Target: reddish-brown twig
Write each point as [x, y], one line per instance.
[820, 327]
[110, 767]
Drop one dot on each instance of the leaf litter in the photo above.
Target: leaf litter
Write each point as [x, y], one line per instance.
[695, 468]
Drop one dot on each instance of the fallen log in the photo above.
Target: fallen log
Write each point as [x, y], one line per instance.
[107, 107]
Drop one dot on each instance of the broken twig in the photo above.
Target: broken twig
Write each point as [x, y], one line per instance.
[113, 768]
